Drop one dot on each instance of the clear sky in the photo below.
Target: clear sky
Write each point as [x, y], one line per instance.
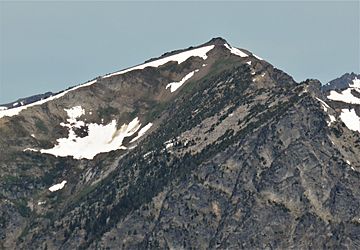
[49, 46]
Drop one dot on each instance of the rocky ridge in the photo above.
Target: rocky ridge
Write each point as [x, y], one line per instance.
[238, 155]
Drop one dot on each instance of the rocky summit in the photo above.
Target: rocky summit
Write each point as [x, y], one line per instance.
[209, 147]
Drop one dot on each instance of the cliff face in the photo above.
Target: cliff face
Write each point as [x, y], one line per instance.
[208, 147]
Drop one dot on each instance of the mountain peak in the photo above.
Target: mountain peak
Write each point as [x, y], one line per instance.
[192, 143]
[341, 82]
[216, 41]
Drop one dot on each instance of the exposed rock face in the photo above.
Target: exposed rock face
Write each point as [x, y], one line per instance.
[238, 156]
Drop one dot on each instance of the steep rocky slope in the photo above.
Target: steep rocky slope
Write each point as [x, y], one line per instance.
[207, 147]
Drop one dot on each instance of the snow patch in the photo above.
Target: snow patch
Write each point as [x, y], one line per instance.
[326, 107]
[74, 112]
[249, 62]
[235, 51]
[348, 162]
[169, 144]
[324, 104]
[57, 187]
[3, 108]
[332, 119]
[142, 132]
[147, 154]
[179, 58]
[101, 138]
[345, 96]
[30, 149]
[175, 85]
[351, 120]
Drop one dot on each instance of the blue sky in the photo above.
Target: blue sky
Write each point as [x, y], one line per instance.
[49, 46]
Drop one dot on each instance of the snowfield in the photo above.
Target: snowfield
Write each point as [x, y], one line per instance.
[351, 120]
[175, 85]
[101, 138]
[346, 95]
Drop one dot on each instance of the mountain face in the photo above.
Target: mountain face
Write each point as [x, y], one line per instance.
[342, 82]
[207, 147]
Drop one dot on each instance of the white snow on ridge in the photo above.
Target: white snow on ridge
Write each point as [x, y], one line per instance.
[175, 85]
[142, 132]
[344, 96]
[258, 57]
[325, 106]
[57, 187]
[17, 110]
[179, 58]
[351, 120]
[235, 51]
